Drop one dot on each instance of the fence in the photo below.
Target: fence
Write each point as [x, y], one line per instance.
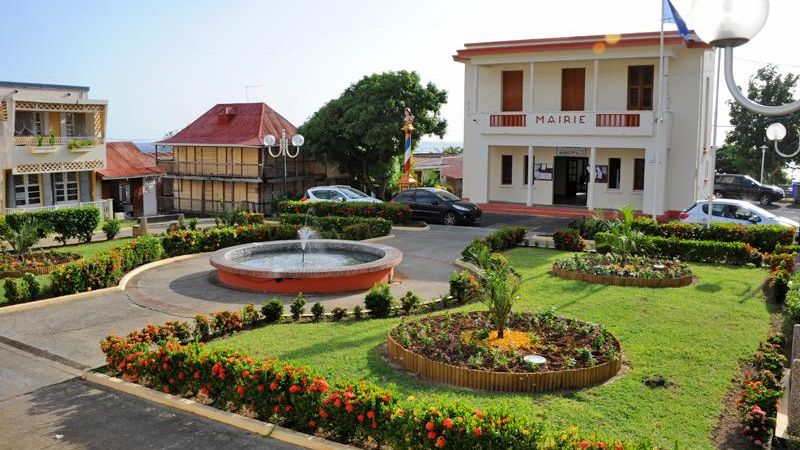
[106, 208]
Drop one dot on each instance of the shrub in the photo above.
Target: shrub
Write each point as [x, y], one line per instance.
[463, 286]
[15, 293]
[502, 239]
[317, 312]
[587, 228]
[249, 314]
[356, 232]
[68, 223]
[298, 306]
[368, 227]
[735, 253]
[763, 237]
[193, 223]
[202, 327]
[379, 300]
[32, 285]
[23, 233]
[106, 268]
[111, 228]
[409, 302]
[226, 322]
[622, 238]
[272, 310]
[498, 291]
[568, 240]
[184, 242]
[779, 284]
[338, 313]
[396, 213]
[792, 300]
[358, 312]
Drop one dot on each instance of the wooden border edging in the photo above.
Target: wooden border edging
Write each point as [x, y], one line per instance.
[623, 281]
[38, 270]
[235, 420]
[500, 381]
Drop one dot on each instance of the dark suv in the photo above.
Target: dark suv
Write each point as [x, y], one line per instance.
[743, 187]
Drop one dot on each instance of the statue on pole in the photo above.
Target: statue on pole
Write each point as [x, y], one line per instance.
[407, 181]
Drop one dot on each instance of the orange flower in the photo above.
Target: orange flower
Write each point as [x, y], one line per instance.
[360, 418]
[448, 423]
[431, 435]
[429, 426]
[584, 444]
[477, 432]
[371, 414]
[440, 442]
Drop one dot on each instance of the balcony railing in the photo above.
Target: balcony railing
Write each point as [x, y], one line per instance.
[47, 141]
[236, 170]
[575, 123]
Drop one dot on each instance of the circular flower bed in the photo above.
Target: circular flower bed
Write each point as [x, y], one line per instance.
[36, 263]
[636, 271]
[464, 350]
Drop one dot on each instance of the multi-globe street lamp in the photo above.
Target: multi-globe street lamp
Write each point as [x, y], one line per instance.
[283, 150]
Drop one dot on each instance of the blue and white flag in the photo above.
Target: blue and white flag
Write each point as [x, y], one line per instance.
[671, 16]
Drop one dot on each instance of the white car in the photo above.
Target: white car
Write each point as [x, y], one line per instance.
[337, 194]
[727, 210]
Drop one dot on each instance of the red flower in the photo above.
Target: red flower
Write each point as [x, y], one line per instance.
[360, 418]
[180, 376]
[431, 435]
[312, 423]
[600, 445]
[584, 444]
[204, 391]
[293, 389]
[273, 386]
[440, 442]
[246, 373]
[618, 447]
[477, 432]
[371, 414]
[165, 366]
[240, 390]
[429, 426]
[349, 407]
[374, 424]
[260, 388]
[337, 403]
[323, 414]
[196, 375]
[448, 423]
[166, 390]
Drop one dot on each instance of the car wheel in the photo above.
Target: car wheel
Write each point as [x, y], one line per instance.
[765, 200]
[449, 219]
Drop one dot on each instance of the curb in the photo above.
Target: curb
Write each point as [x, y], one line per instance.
[123, 282]
[379, 238]
[235, 420]
[468, 266]
[402, 228]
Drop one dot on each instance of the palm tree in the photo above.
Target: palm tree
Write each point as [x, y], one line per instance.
[622, 238]
[499, 291]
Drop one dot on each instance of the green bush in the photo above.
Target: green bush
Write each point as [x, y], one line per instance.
[379, 300]
[68, 223]
[463, 286]
[338, 313]
[589, 227]
[734, 253]
[502, 239]
[369, 227]
[272, 310]
[32, 285]
[409, 302]
[792, 300]
[15, 292]
[106, 268]
[184, 242]
[317, 312]
[298, 306]
[111, 228]
[358, 312]
[569, 240]
[763, 237]
[396, 213]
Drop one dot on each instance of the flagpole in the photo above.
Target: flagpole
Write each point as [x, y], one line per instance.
[718, 59]
[659, 109]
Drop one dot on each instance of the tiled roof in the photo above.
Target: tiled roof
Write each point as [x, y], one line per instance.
[125, 160]
[233, 124]
[452, 167]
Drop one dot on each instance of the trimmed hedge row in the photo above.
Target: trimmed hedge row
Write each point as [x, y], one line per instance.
[762, 237]
[793, 299]
[78, 222]
[397, 213]
[302, 399]
[735, 253]
[184, 242]
[106, 268]
[341, 227]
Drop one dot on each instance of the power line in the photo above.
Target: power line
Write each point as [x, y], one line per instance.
[766, 62]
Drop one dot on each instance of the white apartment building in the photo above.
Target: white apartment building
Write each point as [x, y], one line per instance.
[52, 140]
[571, 121]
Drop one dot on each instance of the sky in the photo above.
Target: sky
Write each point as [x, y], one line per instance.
[160, 64]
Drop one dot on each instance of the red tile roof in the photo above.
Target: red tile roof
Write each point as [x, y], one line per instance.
[125, 160]
[234, 124]
[452, 167]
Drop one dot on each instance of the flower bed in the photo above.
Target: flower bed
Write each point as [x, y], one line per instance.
[36, 263]
[459, 350]
[636, 271]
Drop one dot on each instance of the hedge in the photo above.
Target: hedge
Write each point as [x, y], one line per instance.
[793, 299]
[396, 213]
[184, 242]
[302, 399]
[502, 239]
[77, 222]
[336, 226]
[735, 253]
[763, 237]
[106, 268]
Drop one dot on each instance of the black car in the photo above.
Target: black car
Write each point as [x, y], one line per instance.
[745, 188]
[438, 205]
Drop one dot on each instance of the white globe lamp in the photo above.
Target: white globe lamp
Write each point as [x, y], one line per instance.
[729, 23]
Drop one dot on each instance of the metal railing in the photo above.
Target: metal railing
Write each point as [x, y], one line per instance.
[199, 206]
[106, 208]
[240, 170]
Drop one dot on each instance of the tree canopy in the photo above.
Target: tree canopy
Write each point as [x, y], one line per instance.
[360, 130]
[741, 153]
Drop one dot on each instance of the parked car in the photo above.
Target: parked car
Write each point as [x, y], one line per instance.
[745, 188]
[734, 211]
[438, 205]
[338, 193]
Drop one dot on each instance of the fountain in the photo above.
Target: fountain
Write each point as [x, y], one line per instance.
[308, 265]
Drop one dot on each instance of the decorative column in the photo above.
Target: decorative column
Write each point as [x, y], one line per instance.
[407, 181]
[530, 174]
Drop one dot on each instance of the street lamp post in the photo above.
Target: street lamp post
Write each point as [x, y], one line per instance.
[763, 153]
[727, 24]
[283, 150]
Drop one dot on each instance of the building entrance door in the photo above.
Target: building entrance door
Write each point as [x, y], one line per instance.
[570, 180]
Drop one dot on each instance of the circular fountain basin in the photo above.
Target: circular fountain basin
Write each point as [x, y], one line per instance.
[329, 266]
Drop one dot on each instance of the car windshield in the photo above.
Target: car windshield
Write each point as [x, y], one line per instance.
[353, 193]
[752, 180]
[760, 211]
[444, 195]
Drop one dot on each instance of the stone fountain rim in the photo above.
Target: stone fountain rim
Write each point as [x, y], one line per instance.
[224, 259]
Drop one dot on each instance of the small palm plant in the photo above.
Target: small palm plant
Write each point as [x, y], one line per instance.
[23, 234]
[499, 291]
[622, 238]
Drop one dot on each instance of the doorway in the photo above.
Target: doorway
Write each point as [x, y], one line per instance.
[570, 180]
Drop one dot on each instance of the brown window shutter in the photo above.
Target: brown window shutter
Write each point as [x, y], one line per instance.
[512, 90]
[573, 89]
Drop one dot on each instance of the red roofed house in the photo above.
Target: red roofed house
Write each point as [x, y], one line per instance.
[221, 156]
[130, 179]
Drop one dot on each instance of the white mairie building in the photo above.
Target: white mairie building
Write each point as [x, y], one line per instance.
[52, 140]
[572, 121]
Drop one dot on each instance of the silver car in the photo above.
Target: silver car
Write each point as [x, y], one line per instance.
[337, 193]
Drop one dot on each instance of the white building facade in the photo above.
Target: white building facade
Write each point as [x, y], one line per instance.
[572, 121]
[52, 140]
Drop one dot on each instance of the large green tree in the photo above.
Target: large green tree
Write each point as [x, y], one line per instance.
[360, 130]
[741, 153]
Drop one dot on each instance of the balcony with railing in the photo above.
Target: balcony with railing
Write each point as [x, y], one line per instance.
[568, 123]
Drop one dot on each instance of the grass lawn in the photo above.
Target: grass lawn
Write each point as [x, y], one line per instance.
[695, 336]
[85, 250]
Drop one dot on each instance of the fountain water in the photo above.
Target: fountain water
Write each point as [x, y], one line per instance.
[305, 233]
